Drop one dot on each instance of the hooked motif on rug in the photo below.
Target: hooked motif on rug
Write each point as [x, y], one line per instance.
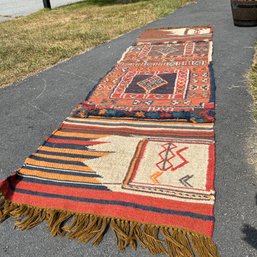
[152, 175]
[148, 178]
[167, 75]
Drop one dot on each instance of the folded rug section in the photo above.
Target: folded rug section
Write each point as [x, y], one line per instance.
[137, 156]
[138, 177]
[167, 75]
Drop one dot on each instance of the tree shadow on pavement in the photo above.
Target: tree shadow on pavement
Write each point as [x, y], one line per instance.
[109, 2]
[105, 2]
[250, 233]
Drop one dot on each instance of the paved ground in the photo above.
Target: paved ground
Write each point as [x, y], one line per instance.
[10, 9]
[31, 109]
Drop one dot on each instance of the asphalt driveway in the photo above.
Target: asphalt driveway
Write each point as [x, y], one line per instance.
[31, 109]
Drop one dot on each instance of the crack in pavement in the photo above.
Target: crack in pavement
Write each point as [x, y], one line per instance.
[37, 107]
[42, 92]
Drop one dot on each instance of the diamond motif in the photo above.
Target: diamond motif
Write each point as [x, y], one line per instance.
[166, 50]
[152, 83]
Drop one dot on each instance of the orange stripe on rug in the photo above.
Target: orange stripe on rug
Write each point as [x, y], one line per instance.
[57, 157]
[80, 135]
[71, 151]
[62, 177]
[58, 165]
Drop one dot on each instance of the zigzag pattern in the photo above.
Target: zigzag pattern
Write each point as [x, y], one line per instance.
[167, 155]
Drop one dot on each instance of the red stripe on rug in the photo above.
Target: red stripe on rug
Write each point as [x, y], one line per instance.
[204, 227]
[205, 209]
[137, 131]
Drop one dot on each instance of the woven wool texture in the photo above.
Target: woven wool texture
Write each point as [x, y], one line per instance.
[167, 75]
[149, 176]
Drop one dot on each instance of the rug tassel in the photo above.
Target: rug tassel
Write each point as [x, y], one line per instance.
[127, 233]
[56, 220]
[6, 209]
[151, 240]
[94, 230]
[204, 246]
[101, 231]
[188, 244]
[121, 235]
[89, 231]
[88, 227]
[74, 221]
[31, 219]
[75, 228]
[177, 243]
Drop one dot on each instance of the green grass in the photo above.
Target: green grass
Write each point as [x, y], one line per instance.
[33, 43]
[253, 83]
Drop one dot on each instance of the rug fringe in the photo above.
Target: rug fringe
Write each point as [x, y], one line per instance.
[174, 242]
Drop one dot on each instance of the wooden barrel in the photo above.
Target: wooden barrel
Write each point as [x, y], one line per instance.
[244, 12]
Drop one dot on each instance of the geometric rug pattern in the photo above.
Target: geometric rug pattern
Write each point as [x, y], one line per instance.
[137, 156]
[167, 75]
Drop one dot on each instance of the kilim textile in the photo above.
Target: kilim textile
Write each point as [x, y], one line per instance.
[150, 180]
[123, 173]
[167, 75]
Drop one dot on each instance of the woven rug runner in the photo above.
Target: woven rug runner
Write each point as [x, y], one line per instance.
[149, 176]
[166, 75]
